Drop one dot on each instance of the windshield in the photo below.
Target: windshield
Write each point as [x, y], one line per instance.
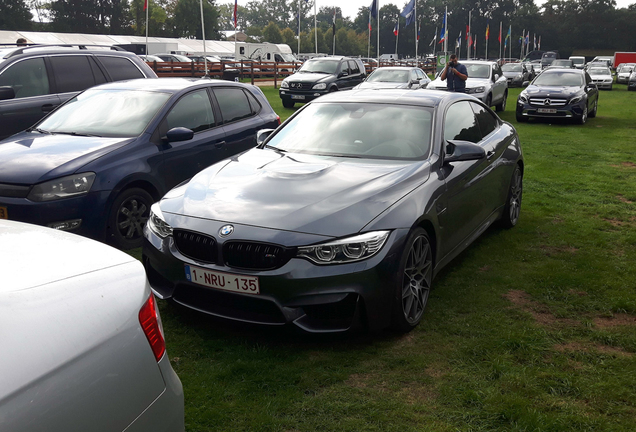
[627, 69]
[599, 71]
[288, 57]
[578, 61]
[107, 113]
[561, 63]
[567, 79]
[511, 67]
[478, 70]
[320, 66]
[389, 75]
[379, 131]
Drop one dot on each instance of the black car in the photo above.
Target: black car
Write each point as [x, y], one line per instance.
[36, 79]
[319, 76]
[631, 83]
[559, 93]
[343, 215]
[517, 74]
[95, 165]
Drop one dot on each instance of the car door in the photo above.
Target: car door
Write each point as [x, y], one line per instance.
[500, 83]
[355, 75]
[343, 76]
[182, 160]
[31, 83]
[466, 185]
[239, 117]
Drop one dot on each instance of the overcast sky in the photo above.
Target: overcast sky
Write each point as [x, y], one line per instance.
[350, 7]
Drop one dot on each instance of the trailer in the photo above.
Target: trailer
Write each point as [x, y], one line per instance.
[264, 52]
[624, 57]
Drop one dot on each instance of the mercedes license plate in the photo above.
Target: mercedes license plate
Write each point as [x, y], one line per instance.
[301, 97]
[547, 110]
[222, 281]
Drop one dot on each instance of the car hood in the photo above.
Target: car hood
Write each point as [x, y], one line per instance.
[30, 157]
[328, 196]
[382, 85]
[511, 74]
[554, 91]
[470, 83]
[307, 77]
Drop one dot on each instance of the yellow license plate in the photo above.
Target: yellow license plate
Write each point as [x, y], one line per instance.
[3, 213]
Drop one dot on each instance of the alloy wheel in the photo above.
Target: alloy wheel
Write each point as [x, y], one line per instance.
[416, 281]
[516, 190]
[131, 218]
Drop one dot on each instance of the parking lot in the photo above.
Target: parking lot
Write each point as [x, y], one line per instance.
[529, 329]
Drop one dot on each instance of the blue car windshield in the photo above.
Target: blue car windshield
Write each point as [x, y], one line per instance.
[320, 66]
[565, 79]
[360, 130]
[107, 113]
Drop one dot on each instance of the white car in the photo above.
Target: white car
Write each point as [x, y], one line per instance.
[601, 76]
[395, 77]
[82, 342]
[485, 81]
[623, 71]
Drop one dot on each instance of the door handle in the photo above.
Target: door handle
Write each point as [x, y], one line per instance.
[48, 107]
[219, 144]
[490, 154]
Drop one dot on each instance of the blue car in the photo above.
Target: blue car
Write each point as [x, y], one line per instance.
[96, 164]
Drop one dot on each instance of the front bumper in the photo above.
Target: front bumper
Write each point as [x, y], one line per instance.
[314, 298]
[603, 84]
[91, 209]
[301, 96]
[567, 111]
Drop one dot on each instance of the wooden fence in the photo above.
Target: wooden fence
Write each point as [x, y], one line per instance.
[254, 71]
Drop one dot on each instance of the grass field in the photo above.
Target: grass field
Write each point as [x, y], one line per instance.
[530, 329]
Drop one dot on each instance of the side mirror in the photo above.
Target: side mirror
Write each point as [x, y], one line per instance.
[525, 84]
[343, 74]
[414, 82]
[7, 92]
[179, 134]
[458, 150]
[262, 135]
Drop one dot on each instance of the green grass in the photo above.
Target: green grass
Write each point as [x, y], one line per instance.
[530, 329]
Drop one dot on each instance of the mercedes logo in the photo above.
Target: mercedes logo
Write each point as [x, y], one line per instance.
[547, 102]
[226, 230]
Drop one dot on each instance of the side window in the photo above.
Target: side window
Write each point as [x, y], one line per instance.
[72, 73]
[233, 103]
[120, 68]
[192, 111]
[256, 107]
[278, 58]
[343, 67]
[27, 77]
[487, 122]
[419, 73]
[100, 78]
[460, 123]
[588, 79]
[353, 67]
[269, 56]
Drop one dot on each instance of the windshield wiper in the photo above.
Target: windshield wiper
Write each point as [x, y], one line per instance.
[42, 131]
[276, 149]
[77, 134]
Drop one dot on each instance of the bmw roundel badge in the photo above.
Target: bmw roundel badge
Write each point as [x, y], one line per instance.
[226, 230]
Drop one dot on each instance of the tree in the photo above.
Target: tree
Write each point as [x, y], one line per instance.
[187, 20]
[88, 16]
[289, 38]
[272, 34]
[15, 15]
[159, 22]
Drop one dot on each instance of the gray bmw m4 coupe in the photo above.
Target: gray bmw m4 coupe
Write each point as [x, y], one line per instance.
[340, 217]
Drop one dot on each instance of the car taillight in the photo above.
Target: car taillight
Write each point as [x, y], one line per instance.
[278, 119]
[149, 320]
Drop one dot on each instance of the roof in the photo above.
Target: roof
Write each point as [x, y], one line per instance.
[422, 97]
[171, 85]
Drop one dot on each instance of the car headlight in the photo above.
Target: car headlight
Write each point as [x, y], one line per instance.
[523, 97]
[156, 222]
[609, 80]
[65, 187]
[284, 84]
[576, 99]
[320, 86]
[346, 250]
[476, 90]
[519, 76]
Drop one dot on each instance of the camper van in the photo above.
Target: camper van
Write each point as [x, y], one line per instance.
[265, 52]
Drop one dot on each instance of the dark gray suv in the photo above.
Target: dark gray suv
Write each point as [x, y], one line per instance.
[34, 80]
[319, 76]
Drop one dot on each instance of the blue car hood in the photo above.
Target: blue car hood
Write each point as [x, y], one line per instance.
[311, 194]
[30, 157]
[554, 91]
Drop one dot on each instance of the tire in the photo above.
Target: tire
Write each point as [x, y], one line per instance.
[592, 114]
[502, 105]
[288, 103]
[512, 208]
[521, 118]
[583, 118]
[333, 89]
[127, 217]
[413, 282]
[489, 101]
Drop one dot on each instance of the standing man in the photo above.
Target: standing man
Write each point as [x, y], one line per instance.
[456, 74]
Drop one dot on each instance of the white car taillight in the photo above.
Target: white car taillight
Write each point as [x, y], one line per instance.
[151, 325]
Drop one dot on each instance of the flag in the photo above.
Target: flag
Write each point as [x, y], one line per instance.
[520, 39]
[442, 35]
[433, 40]
[145, 4]
[534, 44]
[458, 43]
[539, 44]
[475, 43]
[235, 12]
[418, 30]
[334, 23]
[467, 32]
[487, 30]
[528, 39]
[374, 8]
[396, 29]
[409, 13]
[500, 33]
[369, 21]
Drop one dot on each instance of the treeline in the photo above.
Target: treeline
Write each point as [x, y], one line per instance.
[582, 26]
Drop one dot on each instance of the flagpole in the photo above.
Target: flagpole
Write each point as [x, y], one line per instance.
[369, 38]
[298, 27]
[446, 30]
[147, 9]
[334, 32]
[416, 40]
[487, 37]
[500, 28]
[510, 33]
[475, 42]
[315, 28]
[378, 47]
[205, 55]
[468, 37]
[435, 41]
[397, 36]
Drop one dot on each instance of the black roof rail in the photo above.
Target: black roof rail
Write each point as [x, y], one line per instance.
[22, 49]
